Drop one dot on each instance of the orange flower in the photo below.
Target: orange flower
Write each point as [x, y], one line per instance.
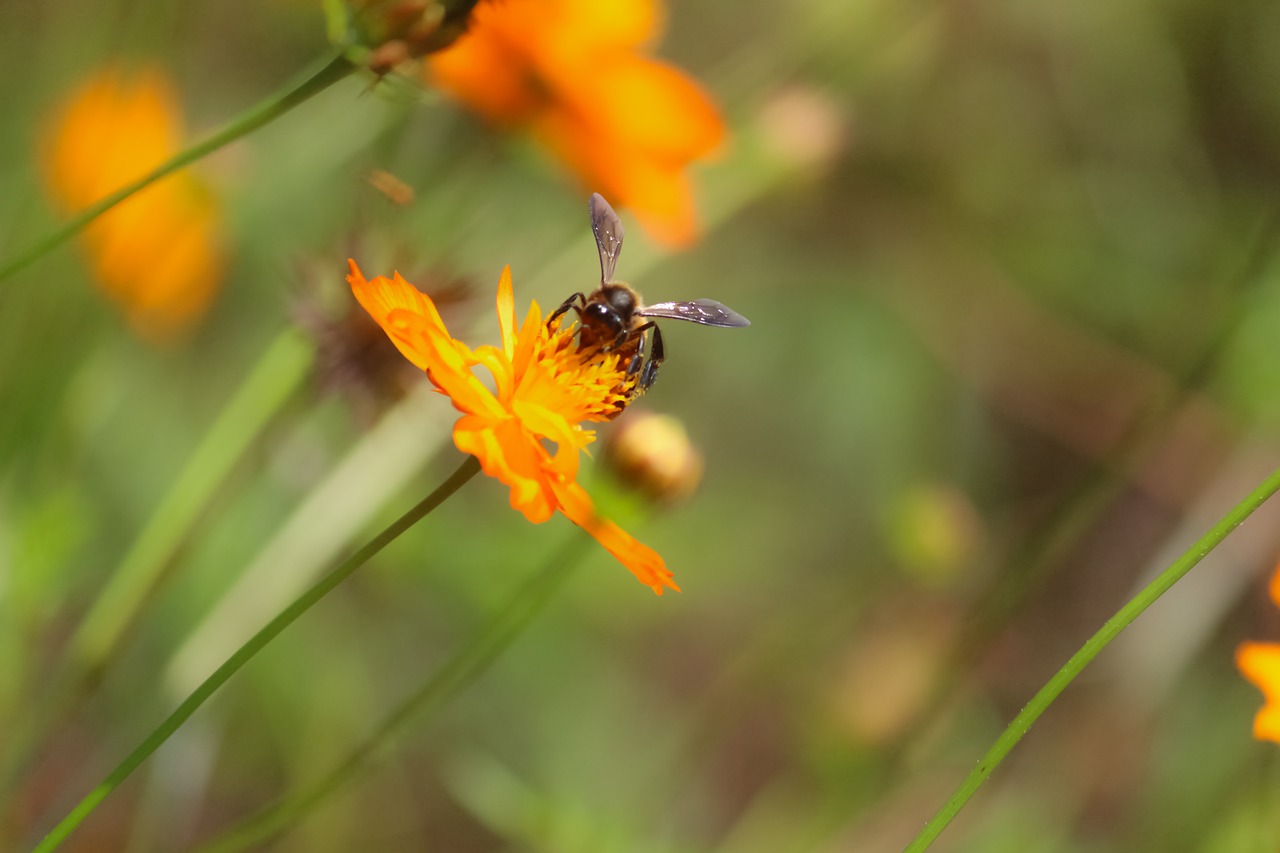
[545, 388]
[157, 253]
[572, 73]
[1260, 664]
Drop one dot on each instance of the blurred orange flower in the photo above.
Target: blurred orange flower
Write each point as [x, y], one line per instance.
[158, 252]
[1260, 664]
[545, 388]
[574, 74]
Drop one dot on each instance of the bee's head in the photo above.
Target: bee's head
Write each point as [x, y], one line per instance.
[611, 307]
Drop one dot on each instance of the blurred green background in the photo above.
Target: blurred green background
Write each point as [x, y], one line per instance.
[1014, 279]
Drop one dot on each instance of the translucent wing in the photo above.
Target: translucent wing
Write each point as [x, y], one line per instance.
[708, 312]
[609, 233]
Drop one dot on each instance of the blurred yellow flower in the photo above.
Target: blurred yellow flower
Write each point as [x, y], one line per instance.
[545, 388]
[157, 253]
[574, 74]
[1260, 664]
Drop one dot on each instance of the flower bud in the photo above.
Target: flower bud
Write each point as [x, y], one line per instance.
[653, 454]
[396, 31]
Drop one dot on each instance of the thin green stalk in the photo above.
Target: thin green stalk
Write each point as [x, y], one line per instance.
[468, 469]
[270, 384]
[277, 375]
[468, 664]
[1095, 644]
[330, 71]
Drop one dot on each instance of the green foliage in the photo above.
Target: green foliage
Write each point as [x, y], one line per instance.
[993, 253]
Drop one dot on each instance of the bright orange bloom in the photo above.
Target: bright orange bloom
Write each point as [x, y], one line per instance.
[157, 253]
[545, 388]
[574, 74]
[1260, 664]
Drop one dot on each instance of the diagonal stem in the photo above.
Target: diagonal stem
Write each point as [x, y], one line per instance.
[332, 71]
[468, 664]
[268, 387]
[1095, 644]
[468, 469]
[270, 384]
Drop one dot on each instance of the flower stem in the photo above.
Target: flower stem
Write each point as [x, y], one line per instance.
[468, 664]
[270, 384]
[468, 469]
[331, 71]
[276, 376]
[1095, 644]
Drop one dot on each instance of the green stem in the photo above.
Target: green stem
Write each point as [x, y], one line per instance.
[272, 382]
[468, 664]
[468, 469]
[332, 71]
[1095, 644]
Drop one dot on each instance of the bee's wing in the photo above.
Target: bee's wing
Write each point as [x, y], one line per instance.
[609, 233]
[708, 312]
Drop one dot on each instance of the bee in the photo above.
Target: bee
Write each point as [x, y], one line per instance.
[614, 319]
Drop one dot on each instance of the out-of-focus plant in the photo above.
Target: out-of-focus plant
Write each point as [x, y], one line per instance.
[1260, 664]
[576, 74]
[159, 253]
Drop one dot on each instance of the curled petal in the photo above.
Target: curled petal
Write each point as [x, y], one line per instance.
[545, 423]
[383, 295]
[447, 362]
[496, 362]
[411, 320]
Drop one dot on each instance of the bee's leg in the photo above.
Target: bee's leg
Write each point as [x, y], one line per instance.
[638, 360]
[571, 302]
[657, 353]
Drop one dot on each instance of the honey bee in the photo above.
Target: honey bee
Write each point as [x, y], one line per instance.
[613, 318]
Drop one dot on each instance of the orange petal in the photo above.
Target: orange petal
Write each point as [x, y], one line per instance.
[616, 25]
[645, 563]
[180, 280]
[448, 362]
[527, 341]
[553, 426]
[662, 199]
[488, 69]
[650, 107]
[654, 188]
[512, 457]
[1260, 664]
[113, 130]
[158, 252]
[383, 295]
[1274, 587]
[506, 304]
[497, 363]
[411, 320]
